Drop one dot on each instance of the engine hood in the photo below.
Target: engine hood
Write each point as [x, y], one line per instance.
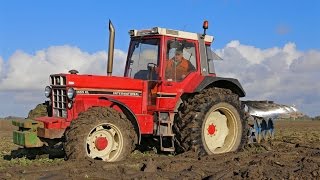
[101, 82]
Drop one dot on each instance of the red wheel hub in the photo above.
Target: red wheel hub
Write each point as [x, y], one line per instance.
[211, 129]
[101, 143]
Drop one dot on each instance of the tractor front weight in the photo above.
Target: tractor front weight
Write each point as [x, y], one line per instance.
[27, 134]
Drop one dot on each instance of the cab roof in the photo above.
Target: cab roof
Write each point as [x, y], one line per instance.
[168, 32]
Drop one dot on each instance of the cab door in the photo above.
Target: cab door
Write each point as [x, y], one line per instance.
[143, 63]
[180, 69]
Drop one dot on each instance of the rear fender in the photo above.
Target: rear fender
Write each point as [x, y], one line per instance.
[127, 111]
[226, 83]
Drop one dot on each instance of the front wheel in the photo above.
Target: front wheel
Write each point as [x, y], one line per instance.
[100, 133]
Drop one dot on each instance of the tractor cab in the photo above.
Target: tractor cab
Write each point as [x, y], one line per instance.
[172, 61]
[152, 50]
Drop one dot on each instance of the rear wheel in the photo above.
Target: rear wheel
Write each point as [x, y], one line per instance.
[211, 123]
[221, 129]
[100, 133]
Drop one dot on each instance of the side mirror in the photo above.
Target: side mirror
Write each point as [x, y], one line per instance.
[211, 55]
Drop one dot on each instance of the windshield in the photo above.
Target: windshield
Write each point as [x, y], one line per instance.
[143, 59]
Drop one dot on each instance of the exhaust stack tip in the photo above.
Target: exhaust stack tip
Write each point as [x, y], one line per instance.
[111, 48]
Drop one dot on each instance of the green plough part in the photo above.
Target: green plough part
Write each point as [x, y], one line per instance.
[27, 134]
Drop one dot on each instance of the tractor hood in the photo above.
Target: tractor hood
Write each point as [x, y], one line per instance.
[86, 81]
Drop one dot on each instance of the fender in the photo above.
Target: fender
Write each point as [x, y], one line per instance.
[127, 111]
[227, 83]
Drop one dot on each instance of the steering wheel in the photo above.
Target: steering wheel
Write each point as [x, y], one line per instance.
[152, 66]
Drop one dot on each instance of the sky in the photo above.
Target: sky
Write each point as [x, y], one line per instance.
[272, 47]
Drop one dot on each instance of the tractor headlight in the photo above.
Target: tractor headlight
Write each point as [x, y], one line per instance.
[47, 91]
[71, 93]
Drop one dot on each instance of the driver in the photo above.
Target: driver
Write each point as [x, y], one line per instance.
[178, 67]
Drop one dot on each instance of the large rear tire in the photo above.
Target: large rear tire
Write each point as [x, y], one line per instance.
[100, 133]
[211, 123]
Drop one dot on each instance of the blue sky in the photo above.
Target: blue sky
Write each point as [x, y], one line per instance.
[34, 25]
[272, 47]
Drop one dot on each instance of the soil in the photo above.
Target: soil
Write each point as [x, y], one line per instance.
[294, 154]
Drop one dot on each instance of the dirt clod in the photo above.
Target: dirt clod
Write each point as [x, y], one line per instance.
[150, 166]
[314, 173]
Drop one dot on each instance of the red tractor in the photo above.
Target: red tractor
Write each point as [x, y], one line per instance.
[169, 92]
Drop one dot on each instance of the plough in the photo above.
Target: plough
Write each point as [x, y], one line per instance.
[261, 116]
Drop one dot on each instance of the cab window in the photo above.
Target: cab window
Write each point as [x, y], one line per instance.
[143, 59]
[211, 58]
[181, 59]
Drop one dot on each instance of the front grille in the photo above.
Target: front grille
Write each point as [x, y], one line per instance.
[59, 99]
[57, 80]
[59, 95]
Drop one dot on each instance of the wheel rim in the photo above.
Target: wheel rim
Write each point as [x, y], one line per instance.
[104, 142]
[220, 131]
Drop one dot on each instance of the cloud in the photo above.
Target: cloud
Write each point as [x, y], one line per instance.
[283, 74]
[18, 103]
[23, 76]
[31, 72]
[308, 63]
[1, 66]
[282, 29]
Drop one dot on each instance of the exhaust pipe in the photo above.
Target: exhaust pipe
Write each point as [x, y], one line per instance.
[111, 48]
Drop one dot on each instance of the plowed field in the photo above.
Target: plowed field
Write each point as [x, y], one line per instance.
[294, 154]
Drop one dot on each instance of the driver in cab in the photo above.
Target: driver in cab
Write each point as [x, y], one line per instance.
[178, 67]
